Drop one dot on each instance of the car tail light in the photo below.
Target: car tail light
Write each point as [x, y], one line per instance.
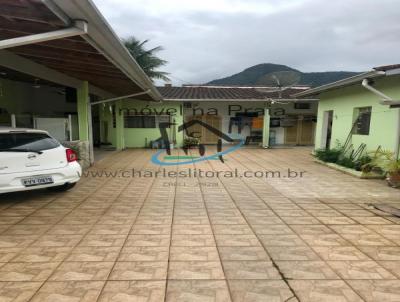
[71, 155]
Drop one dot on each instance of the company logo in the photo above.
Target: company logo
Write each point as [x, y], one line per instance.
[164, 140]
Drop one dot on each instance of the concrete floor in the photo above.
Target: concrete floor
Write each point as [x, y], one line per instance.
[247, 239]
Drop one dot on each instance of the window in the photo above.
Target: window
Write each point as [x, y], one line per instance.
[362, 120]
[27, 141]
[302, 105]
[145, 121]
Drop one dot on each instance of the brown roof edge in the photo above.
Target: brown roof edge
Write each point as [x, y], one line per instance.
[387, 67]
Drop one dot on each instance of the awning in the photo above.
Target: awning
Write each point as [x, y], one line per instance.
[97, 56]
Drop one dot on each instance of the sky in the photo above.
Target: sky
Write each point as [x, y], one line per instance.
[208, 39]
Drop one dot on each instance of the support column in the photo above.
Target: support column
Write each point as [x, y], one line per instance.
[265, 141]
[83, 111]
[119, 125]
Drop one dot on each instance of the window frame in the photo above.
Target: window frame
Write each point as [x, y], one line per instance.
[358, 128]
[157, 120]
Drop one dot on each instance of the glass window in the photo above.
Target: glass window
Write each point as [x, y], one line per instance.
[27, 141]
[140, 121]
[362, 120]
[302, 105]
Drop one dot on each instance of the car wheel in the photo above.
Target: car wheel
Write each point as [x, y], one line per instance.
[63, 188]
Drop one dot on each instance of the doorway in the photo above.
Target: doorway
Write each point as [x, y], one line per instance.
[327, 130]
[301, 130]
[204, 135]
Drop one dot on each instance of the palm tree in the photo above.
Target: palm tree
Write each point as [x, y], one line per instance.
[146, 58]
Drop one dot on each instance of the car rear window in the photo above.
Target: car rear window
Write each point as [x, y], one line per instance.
[30, 141]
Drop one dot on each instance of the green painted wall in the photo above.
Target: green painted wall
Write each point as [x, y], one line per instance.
[83, 117]
[384, 121]
[137, 137]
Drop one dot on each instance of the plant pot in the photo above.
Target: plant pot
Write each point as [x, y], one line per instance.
[393, 179]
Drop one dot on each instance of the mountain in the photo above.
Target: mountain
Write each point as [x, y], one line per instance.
[270, 74]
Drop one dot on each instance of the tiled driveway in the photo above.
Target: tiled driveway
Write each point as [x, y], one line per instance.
[203, 239]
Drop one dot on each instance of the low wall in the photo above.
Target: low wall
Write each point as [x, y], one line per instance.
[82, 149]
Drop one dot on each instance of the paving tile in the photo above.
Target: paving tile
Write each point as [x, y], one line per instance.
[367, 239]
[259, 290]
[139, 270]
[110, 229]
[25, 229]
[18, 291]
[197, 290]
[281, 240]
[144, 253]
[304, 270]
[94, 253]
[149, 291]
[382, 252]
[340, 253]
[42, 254]
[16, 241]
[335, 220]
[300, 220]
[360, 270]
[194, 253]
[82, 271]
[316, 230]
[250, 270]
[324, 240]
[27, 271]
[193, 240]
[228, 229]
[57, 240]
[150, 229]
[103, 240]
[148, 240]
[8, 253]
[276, 229]
[191, 229]
[242, 253]
[292, 253]
[179, 270]
[377, 290]
[324, 290]
[79, 291]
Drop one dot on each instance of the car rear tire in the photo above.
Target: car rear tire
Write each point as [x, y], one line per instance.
[63, 188]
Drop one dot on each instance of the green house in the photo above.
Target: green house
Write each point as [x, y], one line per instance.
[364, 109]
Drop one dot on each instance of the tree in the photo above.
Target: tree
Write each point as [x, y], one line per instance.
[147, 58]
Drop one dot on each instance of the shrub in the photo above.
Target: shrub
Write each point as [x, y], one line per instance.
[363, 163]
[328, 155]
[346, 162]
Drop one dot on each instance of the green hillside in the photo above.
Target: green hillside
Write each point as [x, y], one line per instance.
[269, 74]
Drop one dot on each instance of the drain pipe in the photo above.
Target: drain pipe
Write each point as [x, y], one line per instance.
[386, 100]
[366, 84]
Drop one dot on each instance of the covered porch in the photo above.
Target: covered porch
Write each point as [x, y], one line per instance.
[62, 69]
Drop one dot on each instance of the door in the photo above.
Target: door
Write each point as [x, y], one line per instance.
[302, 131]
[306, 133]
[198, 131]
[208, 137]
[291, 132]
[327, 129]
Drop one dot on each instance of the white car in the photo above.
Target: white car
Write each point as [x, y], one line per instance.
[31, 159]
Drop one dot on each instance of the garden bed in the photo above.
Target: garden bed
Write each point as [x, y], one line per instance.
[352, 172]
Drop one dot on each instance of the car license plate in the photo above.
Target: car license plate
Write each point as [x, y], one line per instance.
[37, 181]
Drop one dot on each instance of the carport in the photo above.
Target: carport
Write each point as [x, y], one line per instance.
[61, 61]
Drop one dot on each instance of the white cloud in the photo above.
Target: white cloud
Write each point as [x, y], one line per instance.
[174, 7]
[208, 39]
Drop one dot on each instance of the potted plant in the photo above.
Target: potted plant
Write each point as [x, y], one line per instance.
[393, 173]
[385, 162]
[190, 142]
